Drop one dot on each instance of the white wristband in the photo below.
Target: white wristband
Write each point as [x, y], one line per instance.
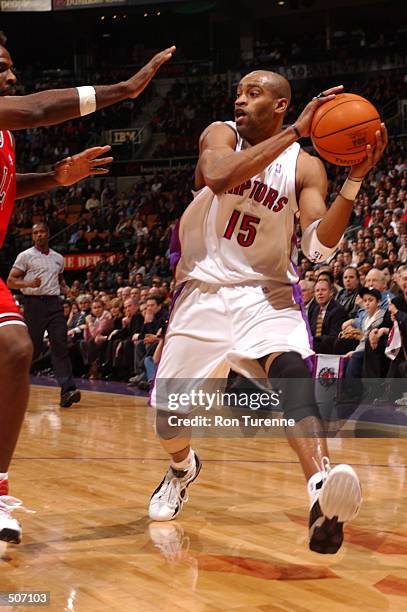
[311, 246]
[350, 188]
[87, 99]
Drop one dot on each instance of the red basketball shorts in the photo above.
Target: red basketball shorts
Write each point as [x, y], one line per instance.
[10, 312]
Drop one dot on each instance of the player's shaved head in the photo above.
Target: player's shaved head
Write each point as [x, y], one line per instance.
[262, 98]
[273, 81]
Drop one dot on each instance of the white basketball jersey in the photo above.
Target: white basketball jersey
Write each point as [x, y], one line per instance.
[246, 234]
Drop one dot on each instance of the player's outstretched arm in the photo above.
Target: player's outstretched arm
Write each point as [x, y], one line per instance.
[58, 105]
[66, 172]
[222, 168]
[312, 184]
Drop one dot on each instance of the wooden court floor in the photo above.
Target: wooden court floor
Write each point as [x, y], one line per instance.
[241, 544]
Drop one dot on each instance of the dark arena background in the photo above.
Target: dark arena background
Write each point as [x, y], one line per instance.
[88, 469]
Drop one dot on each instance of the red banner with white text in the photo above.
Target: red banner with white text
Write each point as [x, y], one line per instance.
[84, 261]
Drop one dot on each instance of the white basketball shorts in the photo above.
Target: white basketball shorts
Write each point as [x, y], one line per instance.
[213, 329]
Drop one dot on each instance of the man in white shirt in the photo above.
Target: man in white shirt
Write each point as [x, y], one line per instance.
[38, 274]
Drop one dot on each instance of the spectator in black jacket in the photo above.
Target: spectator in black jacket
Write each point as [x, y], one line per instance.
[119, 353]
[155, 320]
[347, 296]
[325, 317]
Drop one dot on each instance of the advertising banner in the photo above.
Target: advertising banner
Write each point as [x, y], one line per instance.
[17, 6]
[81, 4]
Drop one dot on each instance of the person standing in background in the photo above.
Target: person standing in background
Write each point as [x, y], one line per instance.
[37, 273]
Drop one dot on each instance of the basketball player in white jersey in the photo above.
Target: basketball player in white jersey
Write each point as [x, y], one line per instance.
[239, 299]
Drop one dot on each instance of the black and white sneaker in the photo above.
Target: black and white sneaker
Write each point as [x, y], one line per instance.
[336, 497]
[172, 493]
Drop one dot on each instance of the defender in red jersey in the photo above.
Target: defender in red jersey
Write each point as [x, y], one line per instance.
[9, 310]
[16, 113]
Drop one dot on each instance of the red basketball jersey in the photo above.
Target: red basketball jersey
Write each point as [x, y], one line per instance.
[7, 181]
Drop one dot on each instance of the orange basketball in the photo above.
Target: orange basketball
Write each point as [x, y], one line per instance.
[343, 127]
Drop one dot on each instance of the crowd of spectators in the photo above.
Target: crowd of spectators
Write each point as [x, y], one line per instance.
[188, 108]
[138, 221]
[117, 312]
[192, 103]
[114, 334]
[352, 302]
[311, 47]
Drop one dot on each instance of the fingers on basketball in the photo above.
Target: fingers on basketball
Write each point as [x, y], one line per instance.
[333, 90]
[325, 98]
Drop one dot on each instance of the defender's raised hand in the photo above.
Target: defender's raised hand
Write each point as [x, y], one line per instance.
[77, 167]
[137, 83]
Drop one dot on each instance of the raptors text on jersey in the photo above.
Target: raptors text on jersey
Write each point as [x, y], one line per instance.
[246, 234]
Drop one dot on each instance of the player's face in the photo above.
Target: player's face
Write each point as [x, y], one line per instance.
[258, 111]
[8, 79]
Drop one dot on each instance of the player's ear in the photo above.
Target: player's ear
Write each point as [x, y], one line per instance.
[281, 105]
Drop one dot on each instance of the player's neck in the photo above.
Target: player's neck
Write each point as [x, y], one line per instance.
[261, 135]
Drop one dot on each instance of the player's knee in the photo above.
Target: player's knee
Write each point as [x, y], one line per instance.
[19, 350]
[297, 397]
[289, 365]
[165, 429]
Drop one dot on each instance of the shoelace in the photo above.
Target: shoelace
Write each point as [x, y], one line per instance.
[324, 467]
[9, 504]
[172, 493]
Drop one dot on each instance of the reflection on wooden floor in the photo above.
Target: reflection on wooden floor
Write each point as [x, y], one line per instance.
[241, 543]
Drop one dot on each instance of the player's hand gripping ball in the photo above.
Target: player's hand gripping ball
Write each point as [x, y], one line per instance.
[342, 127]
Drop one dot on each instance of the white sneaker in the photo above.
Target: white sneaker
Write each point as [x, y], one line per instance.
[335, 499]
[171, 494]
[10, 528]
